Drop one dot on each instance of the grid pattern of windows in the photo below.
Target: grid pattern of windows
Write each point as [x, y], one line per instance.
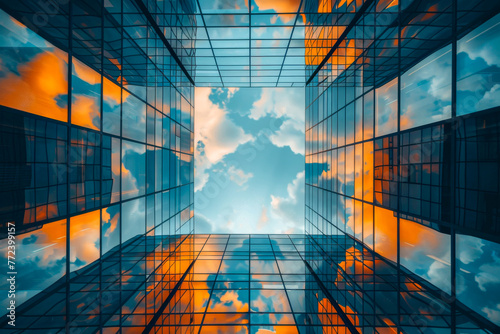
[402, 184]
[241, 284]
[124, 289]
[98, 152]
[393, 161]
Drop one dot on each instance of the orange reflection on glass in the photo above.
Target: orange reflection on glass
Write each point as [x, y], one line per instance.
[84, 232]
[279, 330]
[40, 85]
[329, 317]
[386, 233]
[228, 301]
[319, 41]
[224, 329]
[44, 211]
[368, 171]
[279, 6]
[86, 91]
[358, 219]
[358, 171]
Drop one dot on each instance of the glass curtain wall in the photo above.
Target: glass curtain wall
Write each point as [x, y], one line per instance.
[96, 133]
[402, 158]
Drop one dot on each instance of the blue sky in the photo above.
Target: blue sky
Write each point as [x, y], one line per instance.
[249, 160]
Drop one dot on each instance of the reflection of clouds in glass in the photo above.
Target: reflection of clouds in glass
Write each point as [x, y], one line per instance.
[278, 6]
[426, 252]
[134, 118]
[490, 99]
[478, 62]
[426, 90]
[489, 274]
[84, 239]
[33, 72]
[37, 83]
[111, 100]
[40, 260]
[110, 227]
[471, 249]
[478, 275]
[483, 42]
[133, 218]
[224, 6]
[133, 169]
[386, 109]
[86, 96]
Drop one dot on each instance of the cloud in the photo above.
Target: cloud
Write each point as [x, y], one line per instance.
[291, 134]
[488, 273]
[288, 104]
[290, 209]
[480, 42]
[493, 314]
[263, 219]
[238, 176]
[279, 102]
[202, 224]
[490, 99]
[215, 134]
[280, 6]
[470, 248]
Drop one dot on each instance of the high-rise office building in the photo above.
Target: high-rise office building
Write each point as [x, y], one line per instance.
[402, 217]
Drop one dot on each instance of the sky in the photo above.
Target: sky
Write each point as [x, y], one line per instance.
[249, 160]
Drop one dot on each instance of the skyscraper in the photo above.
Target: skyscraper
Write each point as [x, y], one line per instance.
[402, 222]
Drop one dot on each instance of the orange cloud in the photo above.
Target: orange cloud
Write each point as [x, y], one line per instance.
[85, 111]
[279, 6]
[40, 82]
[84, 235]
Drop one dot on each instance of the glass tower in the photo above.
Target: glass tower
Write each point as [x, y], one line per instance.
[402, 217]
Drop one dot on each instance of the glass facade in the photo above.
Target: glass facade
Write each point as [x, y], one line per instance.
[402, 159]
[96, 148]
[402, 217]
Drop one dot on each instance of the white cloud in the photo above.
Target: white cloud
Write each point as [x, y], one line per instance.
[279, 102]
[231, 91]
[289, 211]
[469, 248]
[291, 134]
[217, 133]
[490, 99]
[493, 314]
[238, 176]
[480, 42]
[288, 104]
[488, 274]
[438, 274]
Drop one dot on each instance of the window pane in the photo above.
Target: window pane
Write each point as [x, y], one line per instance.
[478, 65]
[426, 90]
[85, 96]
[26, 58]
[134, 118]
[386, 108]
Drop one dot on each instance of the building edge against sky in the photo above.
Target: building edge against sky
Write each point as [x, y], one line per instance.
[402, 171]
